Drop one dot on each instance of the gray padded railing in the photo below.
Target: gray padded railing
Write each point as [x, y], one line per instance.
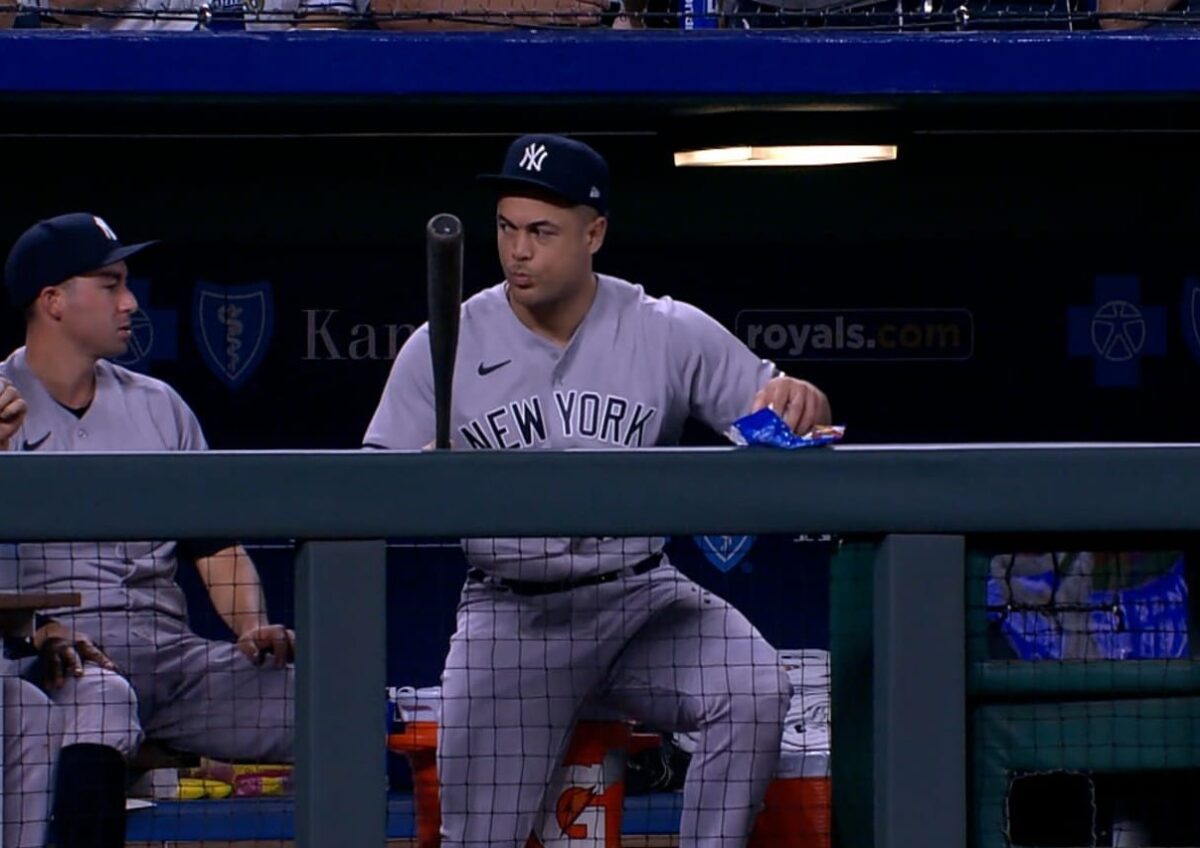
[918, 501]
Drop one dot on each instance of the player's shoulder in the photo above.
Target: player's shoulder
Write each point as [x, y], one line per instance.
[656, 310]
[131, 383]
[15, 369]
[480, 308]
[475, 313]
[485, 304]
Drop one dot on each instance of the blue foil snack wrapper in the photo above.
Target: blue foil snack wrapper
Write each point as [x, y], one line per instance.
[765, 427]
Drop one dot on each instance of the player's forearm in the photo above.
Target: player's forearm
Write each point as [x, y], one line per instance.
[235, 589]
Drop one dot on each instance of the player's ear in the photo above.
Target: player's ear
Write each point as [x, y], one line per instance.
[596, 231]
[50, 302]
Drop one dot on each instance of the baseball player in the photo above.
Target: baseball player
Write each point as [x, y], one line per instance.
[558, 357]
[69, 745]
[66, 738]
[229, 701]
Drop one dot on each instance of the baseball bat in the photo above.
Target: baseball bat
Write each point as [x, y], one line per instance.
[444, 268]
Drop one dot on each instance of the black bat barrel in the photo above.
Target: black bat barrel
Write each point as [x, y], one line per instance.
[444, 264]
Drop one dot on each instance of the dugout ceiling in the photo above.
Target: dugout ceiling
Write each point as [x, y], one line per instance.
[1031, 253]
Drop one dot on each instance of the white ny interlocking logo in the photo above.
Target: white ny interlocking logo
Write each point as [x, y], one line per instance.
[535, 155]
[104, 228]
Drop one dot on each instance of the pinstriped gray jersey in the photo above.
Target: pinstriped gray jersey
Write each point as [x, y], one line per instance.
[635, 370]
[129, 412]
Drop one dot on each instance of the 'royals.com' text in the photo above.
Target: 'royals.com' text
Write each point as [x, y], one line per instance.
[858, 334]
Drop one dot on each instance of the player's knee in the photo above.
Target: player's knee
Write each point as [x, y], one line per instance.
[761, 700]
[274, 739]
[112, 690]
[770, 697]
[121, 727]
[105, 711]
[282, 746]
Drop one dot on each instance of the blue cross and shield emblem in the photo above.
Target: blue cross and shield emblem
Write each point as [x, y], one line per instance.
[725, 552]
[233, 327]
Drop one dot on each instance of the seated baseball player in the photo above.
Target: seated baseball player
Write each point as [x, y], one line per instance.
[559, 357]
[69, 721]
[221, 699]
[69, 745]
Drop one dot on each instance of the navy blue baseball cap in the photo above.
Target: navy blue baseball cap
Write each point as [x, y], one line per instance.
[558, 166]
[57, 249]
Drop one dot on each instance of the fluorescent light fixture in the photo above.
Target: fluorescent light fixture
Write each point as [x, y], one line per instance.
[794, 155]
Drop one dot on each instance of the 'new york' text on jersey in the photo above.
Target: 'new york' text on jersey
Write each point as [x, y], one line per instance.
[634, 371]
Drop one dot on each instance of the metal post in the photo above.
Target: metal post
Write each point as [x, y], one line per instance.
[341, 797]
[920, 692]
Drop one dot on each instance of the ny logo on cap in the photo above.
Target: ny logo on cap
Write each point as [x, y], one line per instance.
[105, 228]
[535, 155]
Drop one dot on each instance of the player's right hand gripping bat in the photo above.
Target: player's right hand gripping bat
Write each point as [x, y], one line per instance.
[444, 255]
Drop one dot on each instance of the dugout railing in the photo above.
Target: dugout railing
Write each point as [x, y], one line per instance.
[907, 513]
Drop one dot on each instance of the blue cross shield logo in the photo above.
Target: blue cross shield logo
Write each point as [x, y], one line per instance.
[725, 552]
[233, 327]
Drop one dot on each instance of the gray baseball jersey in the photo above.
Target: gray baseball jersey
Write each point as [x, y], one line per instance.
[653, 646]
[200, 696]
[130, 412]
[635, 370]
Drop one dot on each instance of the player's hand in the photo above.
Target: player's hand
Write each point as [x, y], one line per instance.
[274, 639]
[798, 402]
[12, 412]
[62, 653]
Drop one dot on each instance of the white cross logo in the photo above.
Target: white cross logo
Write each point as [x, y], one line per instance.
[105, 228]
[535, 155]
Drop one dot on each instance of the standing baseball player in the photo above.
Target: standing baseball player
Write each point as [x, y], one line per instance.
[69, 745]
[558, 357]
[225, 700]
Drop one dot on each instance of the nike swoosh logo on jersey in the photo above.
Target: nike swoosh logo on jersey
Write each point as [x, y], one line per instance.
[484, 370]
[32, 446]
